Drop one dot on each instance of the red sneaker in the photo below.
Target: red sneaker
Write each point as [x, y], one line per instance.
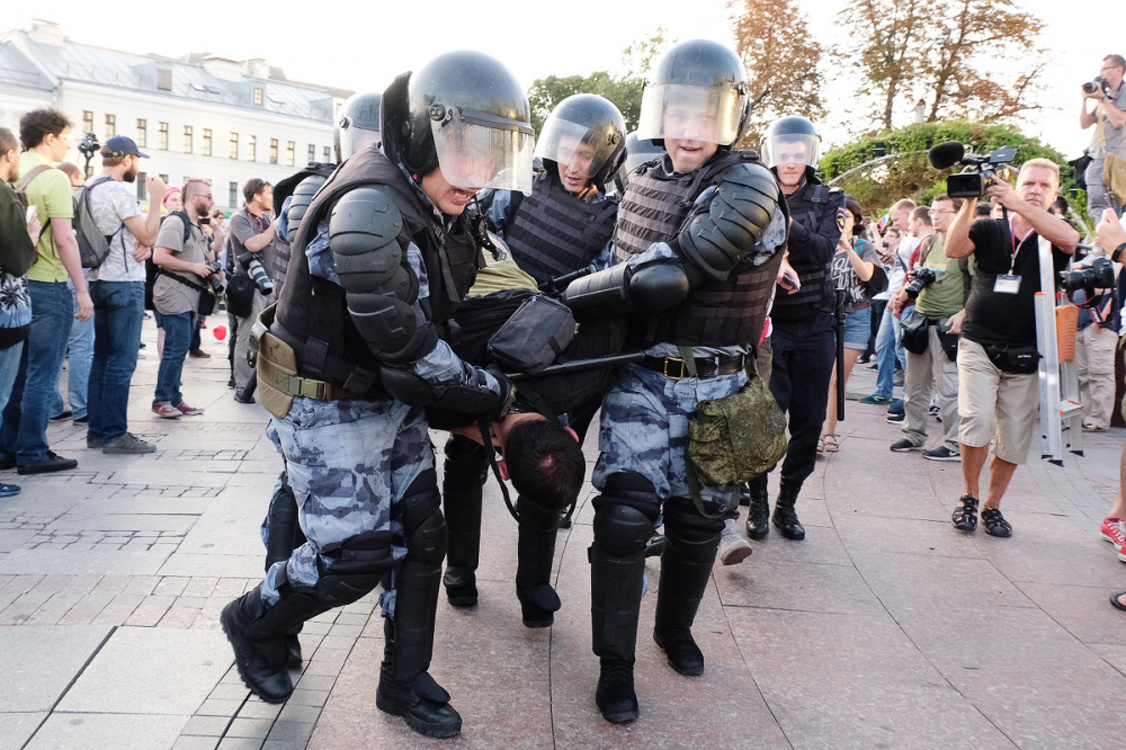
[188, 411]
[166, 411]
[1114, 531]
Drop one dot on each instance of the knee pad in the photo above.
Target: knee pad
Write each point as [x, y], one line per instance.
[621, 530]
[681, 515]
[633, 490]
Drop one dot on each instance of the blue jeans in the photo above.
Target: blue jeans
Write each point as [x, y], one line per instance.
[119, 309]
[79, 355]
[888, 351]
[23, 433]
[9, 366]
[177, 340]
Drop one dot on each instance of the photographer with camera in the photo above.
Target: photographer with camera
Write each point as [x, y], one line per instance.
[939, 285]
[250, 248]
[998, 389]
[184, 271]
[1109, 140]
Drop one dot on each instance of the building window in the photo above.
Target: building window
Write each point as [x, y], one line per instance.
[163, 79]
[142, 132]
[142, 187]
[251, 147]
[164, 179]
[232, 199]
[111, 126]
[328, 155]
[207, 141]
[234, 145]
[273, 150]
[259, 96]
[187, 139]
[162, 143]
[87, 121]
[312, 153]
[290, 153]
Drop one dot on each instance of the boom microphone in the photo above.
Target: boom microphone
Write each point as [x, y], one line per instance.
[946, 155]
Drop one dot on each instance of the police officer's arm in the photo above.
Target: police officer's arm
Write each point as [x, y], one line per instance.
[808, 247]
[382, 295]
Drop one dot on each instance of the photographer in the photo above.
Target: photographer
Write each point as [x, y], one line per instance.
[1097, 337]
[997, 374]
[181, 255]
[250, 249]
[1110, 135]
[940, 301]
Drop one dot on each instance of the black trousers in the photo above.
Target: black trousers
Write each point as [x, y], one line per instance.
[804, 353]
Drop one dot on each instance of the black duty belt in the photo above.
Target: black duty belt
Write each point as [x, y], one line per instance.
[709, 367]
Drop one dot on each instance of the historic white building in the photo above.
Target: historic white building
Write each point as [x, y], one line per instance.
[204, 116]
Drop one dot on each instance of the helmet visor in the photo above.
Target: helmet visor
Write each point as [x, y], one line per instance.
[791, 148]
[478, 150]
[579, 149]
[695, 113]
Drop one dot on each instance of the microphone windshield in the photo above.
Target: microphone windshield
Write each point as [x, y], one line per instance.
[946, 155]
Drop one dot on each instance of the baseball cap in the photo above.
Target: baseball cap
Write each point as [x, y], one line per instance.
[122, 145]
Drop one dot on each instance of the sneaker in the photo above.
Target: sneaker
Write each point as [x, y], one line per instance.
[897, 406]
[61, 415]
[198, 354]
[876, 398]
[733, 548]
[896, 417]
[188, 411]
[94, 442]
[9, 490]
[995, 523]
[1122, 553]
[128, 444]
[942, 453]
[897, 378]
[904, 445]
[50, 462]
[1114, 531]
[1092, 427]
[166, 411]
[932, 410]
[965, 515]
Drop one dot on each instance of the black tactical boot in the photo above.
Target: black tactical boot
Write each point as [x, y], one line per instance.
[293, 649]
[686, 568]
[261, 663]
[421, 701]
[785, 517]
[535, 555]
[466, 463]
[614, 695]
[758, 517]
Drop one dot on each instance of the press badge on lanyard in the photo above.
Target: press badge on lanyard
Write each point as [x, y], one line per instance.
[1009, 283]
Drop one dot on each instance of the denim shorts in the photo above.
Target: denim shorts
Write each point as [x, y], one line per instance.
[857, 329]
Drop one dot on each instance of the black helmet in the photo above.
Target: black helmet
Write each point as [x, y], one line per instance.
[705, 76]
[584, 120]
[465, 112]
[639, 151]
[357, 125]
[792, 129]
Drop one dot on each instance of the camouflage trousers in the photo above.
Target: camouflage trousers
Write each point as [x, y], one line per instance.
[348, 462]
[644, 430]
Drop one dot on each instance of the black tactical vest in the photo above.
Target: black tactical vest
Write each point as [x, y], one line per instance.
[808, 205]
[725, 313]
[312, 313]
[554, 232]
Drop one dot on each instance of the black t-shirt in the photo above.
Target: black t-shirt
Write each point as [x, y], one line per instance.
[995, 317]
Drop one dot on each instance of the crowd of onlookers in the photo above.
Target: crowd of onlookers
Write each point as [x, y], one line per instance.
[83, 260]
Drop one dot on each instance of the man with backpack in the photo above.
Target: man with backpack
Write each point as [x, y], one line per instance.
[117, 287]
[23, 435]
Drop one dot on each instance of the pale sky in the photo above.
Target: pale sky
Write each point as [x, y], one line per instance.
[362, 46]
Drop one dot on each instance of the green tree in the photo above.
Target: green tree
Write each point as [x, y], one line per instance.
[782, 61]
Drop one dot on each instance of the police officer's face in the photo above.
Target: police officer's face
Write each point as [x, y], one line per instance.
[574, 160]
[448, 199]
[688, 129]
[791, 158]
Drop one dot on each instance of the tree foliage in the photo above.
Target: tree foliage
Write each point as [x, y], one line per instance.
[782, 61]
[949, 53]
[883, 168]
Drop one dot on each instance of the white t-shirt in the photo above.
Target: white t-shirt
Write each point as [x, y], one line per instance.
[111, 203]
[901, 261]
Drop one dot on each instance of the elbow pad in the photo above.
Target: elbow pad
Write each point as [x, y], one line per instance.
[737, 215]
[623, 289]
[380, 287]
[471, 395]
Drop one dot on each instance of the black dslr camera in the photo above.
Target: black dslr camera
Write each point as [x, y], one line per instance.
[924, 277]
[982, 169]
[257, 272]
[1091, 87]
[89, 146]
[214, 279]
[1098, 275]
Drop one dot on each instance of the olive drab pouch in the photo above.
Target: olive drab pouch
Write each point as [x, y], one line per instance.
[275, 358]
[534, 336]
[736, 438]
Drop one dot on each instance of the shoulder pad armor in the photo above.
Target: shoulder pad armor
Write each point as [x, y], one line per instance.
[301, 200]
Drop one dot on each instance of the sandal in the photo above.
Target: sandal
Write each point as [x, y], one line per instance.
[829, 443]
[965, 515]
[1116, 600]
[995, 523]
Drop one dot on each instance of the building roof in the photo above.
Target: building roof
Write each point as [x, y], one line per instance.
[46, 60]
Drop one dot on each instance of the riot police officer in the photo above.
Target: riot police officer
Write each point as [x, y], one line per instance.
[699, 238]
[563, 226]
[352, 357]
[803, 322]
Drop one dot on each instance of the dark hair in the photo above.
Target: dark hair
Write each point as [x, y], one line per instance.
[982, 210]
[545, 463]
[39, 123]
[944, 197]
[8, 141]
[253, 187]
[858, 223]
[923, 214]
[111, 158]
[1061, 203]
